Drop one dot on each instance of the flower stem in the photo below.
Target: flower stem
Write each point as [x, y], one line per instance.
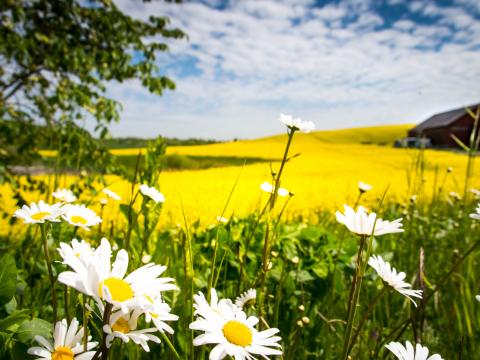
[266, 244]
[50, 272]
[365, 317]
[353, 298]
[103, 349]
[85, 323]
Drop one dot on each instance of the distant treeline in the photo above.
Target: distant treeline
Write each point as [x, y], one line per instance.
[133, 142]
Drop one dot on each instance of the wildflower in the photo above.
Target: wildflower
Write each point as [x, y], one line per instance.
[111, 194]
[477, 297]
[301, 308]
[295, 124]
[234, 334]
[222, 219]
[476, 215]
[454, 195]
[64, 195]
[248, 297]
[103, 201]
[295, 260]
[67, 343]
[146, 258]
[475, 192]
[39, 213]
[124, 327]
[364, 187]
[77, 250]
[361, 223]
[306, 320]
[407, 352]
[152, 193]
[101, 280]
[81, 216]
[159, 312]
[300, 323]
[268, 188]
[391, 277]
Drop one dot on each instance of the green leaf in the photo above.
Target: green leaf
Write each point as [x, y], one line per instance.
[13, 321]
[29, 329]
[8, 278]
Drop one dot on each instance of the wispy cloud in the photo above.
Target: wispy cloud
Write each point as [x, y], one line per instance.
[347, 63]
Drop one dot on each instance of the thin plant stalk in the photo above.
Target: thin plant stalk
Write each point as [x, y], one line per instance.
[266, 244]
[50, 271]
[103, 349]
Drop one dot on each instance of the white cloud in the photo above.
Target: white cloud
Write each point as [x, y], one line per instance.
[338, 65]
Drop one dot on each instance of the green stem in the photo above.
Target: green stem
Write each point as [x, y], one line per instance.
[85, 323]
[365, 317]
[266, 244]
[353, 298]
[50, 272]
[169, 344]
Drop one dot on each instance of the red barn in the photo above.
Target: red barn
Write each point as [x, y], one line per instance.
[439, 128]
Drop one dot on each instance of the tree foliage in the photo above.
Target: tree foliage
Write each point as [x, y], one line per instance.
[57, 57]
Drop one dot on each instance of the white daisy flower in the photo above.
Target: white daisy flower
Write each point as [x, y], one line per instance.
[64, 195]
[361, 223]
[67, 344]
[111, 194]
[364, 187]
[407, 352]
[77, 250]
[248, 297]
[222, 219]
[476, 215]
[124, 327]
[81, 216]
[391, 277]
[475, 192]
[102, 280]
[152, 193]
[159, 313]
[296, 123]
[268, 188]
[232, 332]
[454, 195]
[38, 213]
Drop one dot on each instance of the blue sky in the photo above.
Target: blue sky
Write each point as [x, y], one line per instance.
[337, 63]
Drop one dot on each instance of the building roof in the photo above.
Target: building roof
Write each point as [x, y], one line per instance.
[443, 119]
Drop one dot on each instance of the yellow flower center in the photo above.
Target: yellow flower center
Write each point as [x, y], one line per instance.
[121, 325]
[62, 353]
[119, 289]
[40, 215]
[237, 333]
[78, 220]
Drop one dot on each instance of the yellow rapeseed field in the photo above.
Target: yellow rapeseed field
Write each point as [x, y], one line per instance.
[324, 176]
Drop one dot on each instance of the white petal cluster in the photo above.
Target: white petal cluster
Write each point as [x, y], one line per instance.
[269, 188]
[233, 333]
[476, 215]
[408, 352]
[80, 216]
[111, 194]
[65, 195]
[124, 327]
[361, 223]
[248, 297]
[38, 213]
[296, 123]
[391, 277]
[364, 187]
[152, 193]
[67, 343]
[94, 275]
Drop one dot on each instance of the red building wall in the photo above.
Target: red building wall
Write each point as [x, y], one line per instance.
[441, 136]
